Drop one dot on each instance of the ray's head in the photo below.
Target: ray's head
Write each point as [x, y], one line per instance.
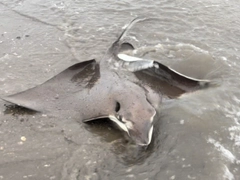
[136, 119]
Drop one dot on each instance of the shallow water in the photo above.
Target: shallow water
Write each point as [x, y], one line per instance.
[197, 136]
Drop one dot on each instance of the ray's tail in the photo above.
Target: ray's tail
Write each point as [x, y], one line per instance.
[128, 27]
[119, 42]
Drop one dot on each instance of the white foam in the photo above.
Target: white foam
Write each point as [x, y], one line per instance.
[235, 135]
[225, 152]
[181, 121]
[232, 111]
[236, 99]
[227, 174]
[134, 38]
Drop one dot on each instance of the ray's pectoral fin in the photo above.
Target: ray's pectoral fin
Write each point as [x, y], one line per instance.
[49, 95]
[175, 78]
[162, 78]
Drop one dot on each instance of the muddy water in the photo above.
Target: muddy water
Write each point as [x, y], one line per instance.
[197, 136]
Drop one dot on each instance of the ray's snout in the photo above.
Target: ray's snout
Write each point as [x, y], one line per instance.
[139, 125]
[142, 136]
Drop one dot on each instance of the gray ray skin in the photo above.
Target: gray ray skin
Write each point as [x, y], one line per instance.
[89, 90]
[154, 68]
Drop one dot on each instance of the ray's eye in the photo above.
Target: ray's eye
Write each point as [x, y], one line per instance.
[117, 107]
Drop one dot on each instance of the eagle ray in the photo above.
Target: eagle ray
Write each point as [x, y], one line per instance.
[114, 88]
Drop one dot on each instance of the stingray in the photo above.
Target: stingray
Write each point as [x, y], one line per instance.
[125, 89]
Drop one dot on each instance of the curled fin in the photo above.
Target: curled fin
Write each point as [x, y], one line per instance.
[162, 72]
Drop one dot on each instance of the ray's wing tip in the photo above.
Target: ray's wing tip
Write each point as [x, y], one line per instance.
[12, 102]
[7, 99]
[209, 83]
